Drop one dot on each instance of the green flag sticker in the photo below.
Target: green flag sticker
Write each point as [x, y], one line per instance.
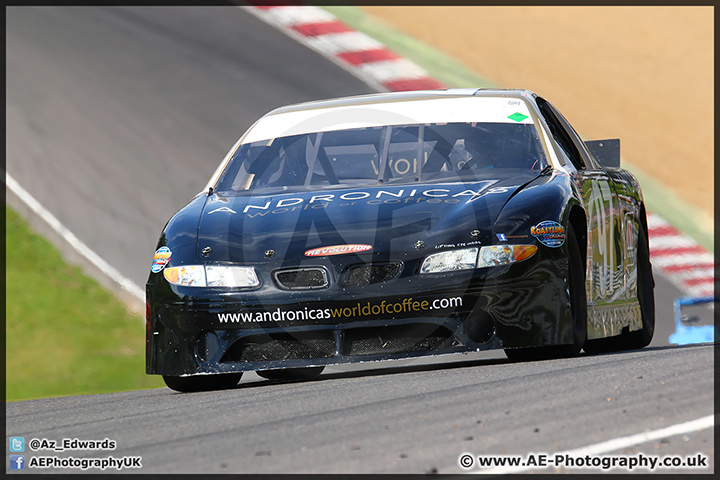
[518, 117]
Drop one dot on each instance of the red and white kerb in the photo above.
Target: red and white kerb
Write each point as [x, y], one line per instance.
[679, 258]
[361, 55]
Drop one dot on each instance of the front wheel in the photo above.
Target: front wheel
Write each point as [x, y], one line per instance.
[578, 309]
[646, 298]
[578, 298]
[202, 383]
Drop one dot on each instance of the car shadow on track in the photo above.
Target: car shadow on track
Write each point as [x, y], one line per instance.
[380, 369]
[453, 364]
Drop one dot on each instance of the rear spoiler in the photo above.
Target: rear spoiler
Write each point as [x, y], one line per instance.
[605, 152]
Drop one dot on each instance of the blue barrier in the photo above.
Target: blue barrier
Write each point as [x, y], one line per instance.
[686, 334]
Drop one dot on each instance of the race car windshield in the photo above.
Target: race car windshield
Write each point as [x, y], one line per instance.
[397, 154]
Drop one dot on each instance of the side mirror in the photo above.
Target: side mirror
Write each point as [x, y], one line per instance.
[605, 152]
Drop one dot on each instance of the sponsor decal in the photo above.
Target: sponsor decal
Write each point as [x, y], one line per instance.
[517, 117]
[358, 310]
[378, 197]
[501, 237]
[222, 209]
[457, 245]
[337, 250]
[549, 233]
[161, 258]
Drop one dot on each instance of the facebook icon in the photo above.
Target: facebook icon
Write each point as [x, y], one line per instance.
[17, 462]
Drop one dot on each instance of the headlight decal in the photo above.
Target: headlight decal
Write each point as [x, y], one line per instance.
[212, 276]
[493, 255]
[469, 258]
[521, 252]
[450, 260]
[231, 276]
[186, 275]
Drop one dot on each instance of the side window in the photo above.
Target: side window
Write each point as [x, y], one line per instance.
[561, 135]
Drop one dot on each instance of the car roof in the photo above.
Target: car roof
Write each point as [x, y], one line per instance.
[394, 108]
[389, 97]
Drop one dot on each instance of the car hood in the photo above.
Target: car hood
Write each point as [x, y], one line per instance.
[388, 220]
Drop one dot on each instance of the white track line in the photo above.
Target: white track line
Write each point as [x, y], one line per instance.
[124, 282]
[615, 444]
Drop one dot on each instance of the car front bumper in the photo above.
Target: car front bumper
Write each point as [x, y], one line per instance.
[197, 331]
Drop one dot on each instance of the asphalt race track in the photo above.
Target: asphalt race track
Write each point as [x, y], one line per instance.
[406, 420]
[117, 116]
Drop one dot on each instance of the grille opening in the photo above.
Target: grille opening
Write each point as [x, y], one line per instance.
[479, 326]
[372, 273]
[396, 339]
[281, 346]
[301, 278]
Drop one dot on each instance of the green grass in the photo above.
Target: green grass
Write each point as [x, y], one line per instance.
[65, 334]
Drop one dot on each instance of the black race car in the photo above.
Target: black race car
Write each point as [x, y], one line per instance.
[401, 225]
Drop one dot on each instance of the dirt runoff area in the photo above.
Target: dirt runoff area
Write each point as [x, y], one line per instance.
[641, 74]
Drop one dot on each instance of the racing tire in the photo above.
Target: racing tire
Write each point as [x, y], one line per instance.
[302, 373]
[202, 383]
[603, 345]
[578, 309]
[578, 298]
[646, 298]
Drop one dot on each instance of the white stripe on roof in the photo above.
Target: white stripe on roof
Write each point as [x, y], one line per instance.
[401, 112]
